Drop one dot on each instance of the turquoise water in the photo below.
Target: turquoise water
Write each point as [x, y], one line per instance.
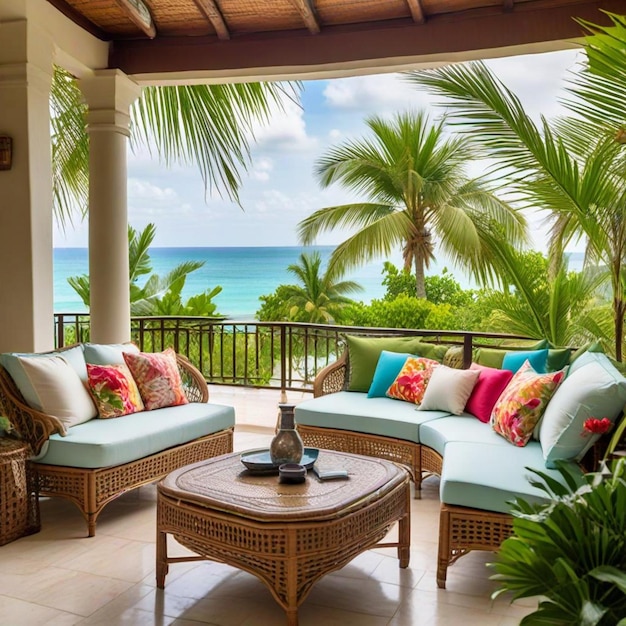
[243, 273]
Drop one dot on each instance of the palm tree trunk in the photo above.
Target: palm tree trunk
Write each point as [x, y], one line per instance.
[619, 309]
[420, 284]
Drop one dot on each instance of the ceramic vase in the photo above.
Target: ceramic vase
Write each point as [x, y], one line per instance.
[287, 446]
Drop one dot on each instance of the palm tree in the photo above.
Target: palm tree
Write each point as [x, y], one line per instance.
[574, 168]
[319, 298]
[209, 125]
[160, 295]
[418, 197]
[553, 307]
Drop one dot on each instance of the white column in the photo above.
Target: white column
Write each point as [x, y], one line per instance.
[26, 280]
[109, 95]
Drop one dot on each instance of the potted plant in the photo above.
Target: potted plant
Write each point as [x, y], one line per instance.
[571, 551]
[6, 428]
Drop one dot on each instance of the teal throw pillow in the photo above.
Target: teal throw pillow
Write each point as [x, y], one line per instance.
[388, 367]
[537, 358]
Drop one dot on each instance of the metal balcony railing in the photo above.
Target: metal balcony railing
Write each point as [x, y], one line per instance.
[285, 355]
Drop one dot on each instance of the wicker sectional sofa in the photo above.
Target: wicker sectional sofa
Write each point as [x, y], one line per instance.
[480, 471]
[94, 462]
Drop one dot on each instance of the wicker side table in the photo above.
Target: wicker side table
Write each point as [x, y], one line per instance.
[19, 511]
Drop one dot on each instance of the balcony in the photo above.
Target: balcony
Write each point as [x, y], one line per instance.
[60, 577]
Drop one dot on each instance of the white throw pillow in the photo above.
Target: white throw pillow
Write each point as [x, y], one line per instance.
[59, 390]
[449, 389]
[593, 389]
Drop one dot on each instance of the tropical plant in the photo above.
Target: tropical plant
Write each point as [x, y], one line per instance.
[570, 551]
[542, 305]
[318, 298]
[159, 295]
[573, 168]
[440, 288]
[209, 125]
[418, 197]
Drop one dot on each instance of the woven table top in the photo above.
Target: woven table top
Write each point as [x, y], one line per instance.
[223, 483]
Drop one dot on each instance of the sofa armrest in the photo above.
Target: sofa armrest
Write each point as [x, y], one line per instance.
[33, 426]
[194, 383]
[332, 378]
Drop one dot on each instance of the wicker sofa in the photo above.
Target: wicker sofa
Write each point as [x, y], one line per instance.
[94, 462]
[480, 472]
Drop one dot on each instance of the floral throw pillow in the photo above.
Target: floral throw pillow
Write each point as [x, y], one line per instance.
[522, 403]
[157, 377]
[114, 390]
[412, 380]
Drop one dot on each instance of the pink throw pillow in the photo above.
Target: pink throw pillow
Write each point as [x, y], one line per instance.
[114, 390]
[158, 378]
[489, 387]
[522, 403]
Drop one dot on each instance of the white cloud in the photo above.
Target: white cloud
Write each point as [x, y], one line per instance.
[144, 190]
[539, 80]
[261, 169]
[381, 94]
[335, 134]
[286, 130]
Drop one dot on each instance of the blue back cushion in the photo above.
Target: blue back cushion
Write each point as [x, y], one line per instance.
[388, 367]
[537, 358]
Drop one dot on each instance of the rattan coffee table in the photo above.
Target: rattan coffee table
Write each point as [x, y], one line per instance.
[287, 535]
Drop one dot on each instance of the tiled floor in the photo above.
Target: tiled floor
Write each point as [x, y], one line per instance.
[59, 577]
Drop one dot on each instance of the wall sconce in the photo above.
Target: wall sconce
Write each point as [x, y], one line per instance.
[6, 152]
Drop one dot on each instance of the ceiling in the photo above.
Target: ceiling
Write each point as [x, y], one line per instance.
[166, 36]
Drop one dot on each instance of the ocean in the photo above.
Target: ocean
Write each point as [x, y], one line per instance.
[244, 273]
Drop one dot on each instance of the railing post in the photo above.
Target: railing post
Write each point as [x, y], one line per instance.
[467, 351]
[283, 363]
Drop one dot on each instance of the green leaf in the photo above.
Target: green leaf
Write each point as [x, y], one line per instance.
[610, 574]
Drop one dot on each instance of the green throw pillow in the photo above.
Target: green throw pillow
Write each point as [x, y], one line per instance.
[363, 353]
[490, 357]
[558, 359]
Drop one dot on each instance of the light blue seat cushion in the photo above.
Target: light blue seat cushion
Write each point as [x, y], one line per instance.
[486, 476]
[108, 442]
[437, 433]
[350, 410]
[10, 362]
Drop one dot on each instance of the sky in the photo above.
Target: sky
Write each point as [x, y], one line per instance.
[280, 188]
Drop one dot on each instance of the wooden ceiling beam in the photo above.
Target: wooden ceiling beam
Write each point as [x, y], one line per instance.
[308, 15]
[508, 5]
[296, 53]
[417, 11]
[139, 15]
[214, 15]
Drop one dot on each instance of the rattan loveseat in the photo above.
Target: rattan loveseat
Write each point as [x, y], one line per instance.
[480, 467]
[91, 488]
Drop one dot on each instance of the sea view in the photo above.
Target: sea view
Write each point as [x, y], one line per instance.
[244, 273]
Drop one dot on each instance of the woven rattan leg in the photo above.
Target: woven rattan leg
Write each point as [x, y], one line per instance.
[162, 566]
[404, 534]
[443, 552]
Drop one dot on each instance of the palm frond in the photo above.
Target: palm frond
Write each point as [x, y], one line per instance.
[209, 125]
[598, 92]
[70, 148]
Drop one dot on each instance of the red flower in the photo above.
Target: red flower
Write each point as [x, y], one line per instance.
[598, 426]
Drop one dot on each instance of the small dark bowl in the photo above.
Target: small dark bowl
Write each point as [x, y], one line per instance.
[291, 473]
